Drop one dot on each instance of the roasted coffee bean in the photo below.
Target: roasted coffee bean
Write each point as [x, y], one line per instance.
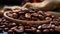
[18, 31]
[4, 20]
[3, 26]
[52, 16]
[0, 20]
[9, 14]
[38, 31]
[27, 15]
[39, 27]
[49, 26]
[13, 28]
[46, 14]
[31, 11]
[44, 26]
[9, 25]
[33, 29]
[21, 27]
[46, 31]
[52, 30]
[52, 26]
[35, 14]
[47, 18]
[22, 17]
[14, 15]
[10, 31]
[6, 29]
[57, 28]
[59, 18]
[41, 12]
[13, 24]
[41, 17]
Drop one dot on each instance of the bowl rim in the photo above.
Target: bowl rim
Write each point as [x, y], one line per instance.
[31, 22]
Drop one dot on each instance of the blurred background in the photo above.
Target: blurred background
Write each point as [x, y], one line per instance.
[16, 2]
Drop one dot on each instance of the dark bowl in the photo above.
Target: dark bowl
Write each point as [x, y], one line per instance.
[24, 22]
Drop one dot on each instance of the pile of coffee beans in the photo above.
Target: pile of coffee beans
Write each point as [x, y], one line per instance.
[49, 28]
[30, 15]
[53, 27]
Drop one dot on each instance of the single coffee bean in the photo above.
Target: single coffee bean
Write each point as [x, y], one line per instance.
[27, 15]
[10, 31]
[52, 16]
[18, 31]
[38, 31]
[47, 18]
[39, 27]
[33, 29]
[14, 15]
[57, 28]
[48, 15]
[46, 31]
[35, 14]
[52, 30]
[13, 24]
[13, 28]
[52, 26]
[6, 29]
